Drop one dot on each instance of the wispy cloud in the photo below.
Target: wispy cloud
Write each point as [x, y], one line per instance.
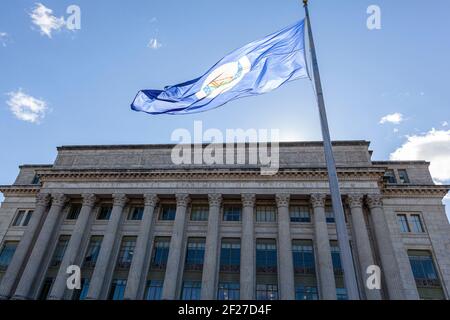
[26, 107]
[394, 118]
[444, 124]
[43, 17]
[154, 44]
[3, 39]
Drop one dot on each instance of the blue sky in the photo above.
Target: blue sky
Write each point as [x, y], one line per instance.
[81, 82]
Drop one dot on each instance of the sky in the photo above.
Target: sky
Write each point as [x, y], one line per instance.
[66, 86]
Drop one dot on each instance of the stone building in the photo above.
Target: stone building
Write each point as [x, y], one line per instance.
[140, 227]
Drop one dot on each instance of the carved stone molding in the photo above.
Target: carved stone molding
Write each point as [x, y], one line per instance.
[355, 200]
[374, 201]
[248, 199]
[59, 199]
[183, 199]
[318, 200]
[215, 199]
[151, 200]
[119, 200]
[89, 199]
[282, 200]
[42, 199]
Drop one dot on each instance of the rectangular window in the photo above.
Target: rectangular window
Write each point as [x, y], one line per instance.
[74, 212]
[228, 291]
[191, 290]
[427, 279]
[58, 255]
[403, 223]
[266, 292]
[153, 290]
[93, 251]
[117, 289]
[48, 282]
[300, 214]
[265, 214]
[195, 254]
[416, 223]
[329, 215]
[199, 213]
[303, 256]
[136, 213]
[403, 176]
[167, 212]
[22, 218]
[266, 256]
[389, 176]
[7, 253]
[230, 255]
[336, 258]
[231, 213]
[81, 293]
[160, 253]
[126, 252]
[306, 293]
[341, 294]
[104, 213]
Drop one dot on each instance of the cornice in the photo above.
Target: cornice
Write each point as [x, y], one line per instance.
[416, 191]
[19, 190]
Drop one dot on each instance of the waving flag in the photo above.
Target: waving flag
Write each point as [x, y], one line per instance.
[254, 69]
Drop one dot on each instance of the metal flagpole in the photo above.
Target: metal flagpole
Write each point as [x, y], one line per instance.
[341, 227]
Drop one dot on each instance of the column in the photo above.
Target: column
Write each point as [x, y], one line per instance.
[362, 240]
[248, 269]
[324, 261]
[286, 263]
[389, 265]
[106, 250]
[209, 275]
[73, 248]
[176, 244]
[137, 272]
[11, 276]
[34, 265]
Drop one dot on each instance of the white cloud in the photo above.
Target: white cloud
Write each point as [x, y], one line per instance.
[43, 17]
[396, 130]
[154, 44]
[444, 124]
[26, 107]
[433, 146]
[395, 118]
[3, 38]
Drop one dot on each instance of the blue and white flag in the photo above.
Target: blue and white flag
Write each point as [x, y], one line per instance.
[257, 68]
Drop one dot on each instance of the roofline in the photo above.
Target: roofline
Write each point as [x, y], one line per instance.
[401, 162]
[36, 166]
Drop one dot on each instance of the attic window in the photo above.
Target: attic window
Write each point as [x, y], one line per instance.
[36, 179]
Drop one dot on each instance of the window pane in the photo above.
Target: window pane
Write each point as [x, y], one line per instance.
[104, 213]
[389, 176]
[82, 293]
[48, 282]
[7, 253]
[191, 290]
[154, 290]
[58, 255]
[74, 212]
[117, 289]
[194, 255]
[228, 291]
[27, 218]
[93, 251]
[403, 176]
[306, 293]
[136, 213]
[126, 252]
[160, 253]
[167, 212]
[199, 213]
[265, 214]
[303, 255]
[416, 223]
[266, 256]
[300, 214]
[230, 255]
[266, 292]
[232, 213]
[403, 223]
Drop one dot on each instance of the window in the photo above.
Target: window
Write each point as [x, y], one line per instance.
[403, 176]
[403, 223]
[228, 291]
[153, 290]
[426, 276]
[81, 293]
[266, 256]
[36, 179]
[126, 252]
[265, 214]
[232, 213]
[74, 212]
[48, 282]
[136, 213]
[306, 293]
[389, 177]
[117, 289]
[416, 223]
[195, 254]
[341, 294]
[199, 213]
[7, 253]
[303, 256]
[191, 290]
[300, 214]
[92, 251]
[336, 258]
[58, 255]
[167, 213]
[22, 218]
[266, 292]
[104, 213]
[329, 215]
[230, 255]
[160, 253]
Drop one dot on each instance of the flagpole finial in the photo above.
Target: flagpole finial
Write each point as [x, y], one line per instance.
[305, 3]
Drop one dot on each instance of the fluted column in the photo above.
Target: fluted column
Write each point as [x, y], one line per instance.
[28, 278]
[363, 247]
[324, 261]
[141, 252]
[389, 264]
[12, 275]
[286, 263]
[73, 248]
[106, 249]
[176, 242]
[209, 275]
[248, 269]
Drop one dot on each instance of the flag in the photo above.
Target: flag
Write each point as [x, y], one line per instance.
[257, 68]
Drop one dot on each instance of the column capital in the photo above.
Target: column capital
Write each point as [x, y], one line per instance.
[89, 199]
[355, 200]
[282, 200]
[215, 199]
[59, 199]
[150, 199]
[119, 199]
[318, 200]
[248, 199]
[183, 199]
[42, 199]
[374, 201]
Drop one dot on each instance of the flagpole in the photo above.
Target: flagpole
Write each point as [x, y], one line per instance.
[341, 227]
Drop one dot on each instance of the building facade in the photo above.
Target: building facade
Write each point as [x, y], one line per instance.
[140, 227]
